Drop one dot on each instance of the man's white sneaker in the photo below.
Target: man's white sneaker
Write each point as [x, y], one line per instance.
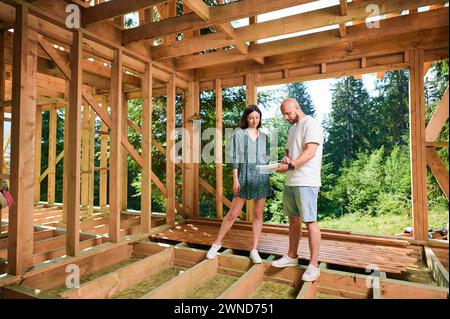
[311, 273]
[212, 252]
[255, 257]
[285, 261]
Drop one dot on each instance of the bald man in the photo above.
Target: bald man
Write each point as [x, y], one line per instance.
[302, 165]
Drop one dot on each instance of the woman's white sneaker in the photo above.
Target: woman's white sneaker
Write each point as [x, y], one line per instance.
[255, 257]
[311, 273]
[212, 252]
[285, 261]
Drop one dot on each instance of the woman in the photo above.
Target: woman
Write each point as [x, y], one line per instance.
[249, 150]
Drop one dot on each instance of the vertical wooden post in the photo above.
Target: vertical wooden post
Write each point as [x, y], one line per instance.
[85, 158]
[91, 161]
[196, 150]
[146, 181]
[103, 162]
[20, 236]
[72, 150]
[170, 149]
[37, 159]
[52, 156]
[417, 146]
[115, 157]
[2, 99]
[66, 147]
[124, 160]
[219, 152]
[187, 151]
[252, 98]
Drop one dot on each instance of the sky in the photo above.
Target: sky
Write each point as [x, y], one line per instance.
[320, 92]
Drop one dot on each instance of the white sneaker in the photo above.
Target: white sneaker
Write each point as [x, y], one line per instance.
[255, 257]
[285, 261]
[212, 252]
[311, 273]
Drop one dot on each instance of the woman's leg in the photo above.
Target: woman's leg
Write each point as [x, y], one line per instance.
[235, 210]
[257, 220]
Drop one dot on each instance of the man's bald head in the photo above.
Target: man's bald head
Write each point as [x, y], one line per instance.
[291, 110]
[289, 104]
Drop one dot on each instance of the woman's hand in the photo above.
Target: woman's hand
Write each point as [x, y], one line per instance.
[282, 168]
[236, 188]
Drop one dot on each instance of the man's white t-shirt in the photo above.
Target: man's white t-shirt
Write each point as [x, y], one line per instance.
[306, 130]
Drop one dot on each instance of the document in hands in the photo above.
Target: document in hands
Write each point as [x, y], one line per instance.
[267, 169]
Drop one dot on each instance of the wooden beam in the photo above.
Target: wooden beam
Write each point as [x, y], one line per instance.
[438, 119]
[199, 7]
[23, 114]
[308, 291]
[124, 156]
[113, 9]
[188, 168]
[66, 142]
[196, 150]
[218, 15]
[73, 148]
[301, 22]
[103, 163]
[2, 102]
[85, 157]
[57, 160]
[219, 151]
[91, 162]
[170, 151]
[246, 285]
[115, 168]
[117, 281]
[395, 26]
[51, 186]
[146, 185]
[180, 286]
[37, 159]
[417, 138]
[440, 274]
[438, 168]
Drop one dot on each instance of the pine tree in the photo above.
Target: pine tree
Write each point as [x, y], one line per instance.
[392, 109]
[299, 91]
[349, 124]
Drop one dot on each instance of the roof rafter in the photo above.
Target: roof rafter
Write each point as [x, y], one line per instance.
[393, 26]
[114, 8]
[202, 10]
[218, 15]
[291, 24]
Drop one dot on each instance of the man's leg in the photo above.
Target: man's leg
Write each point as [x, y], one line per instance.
[314, 242]
[295, 235]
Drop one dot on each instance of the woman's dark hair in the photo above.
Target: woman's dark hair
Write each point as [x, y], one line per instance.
[248, 110]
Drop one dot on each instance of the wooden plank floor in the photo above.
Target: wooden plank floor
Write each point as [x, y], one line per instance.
[389, 259]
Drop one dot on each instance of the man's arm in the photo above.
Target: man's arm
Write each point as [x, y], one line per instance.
[308, 153]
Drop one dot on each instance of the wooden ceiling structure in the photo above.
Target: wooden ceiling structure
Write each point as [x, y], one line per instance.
[50, 62]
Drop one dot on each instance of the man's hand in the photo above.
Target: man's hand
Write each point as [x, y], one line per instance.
[282, 168]
[286, 160]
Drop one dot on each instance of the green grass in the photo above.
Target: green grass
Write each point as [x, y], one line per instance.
[386, 224]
